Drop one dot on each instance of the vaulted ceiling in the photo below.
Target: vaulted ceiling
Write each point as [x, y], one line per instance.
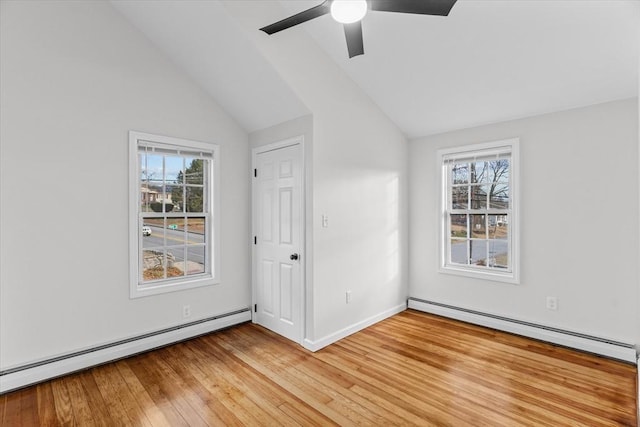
[488, 61]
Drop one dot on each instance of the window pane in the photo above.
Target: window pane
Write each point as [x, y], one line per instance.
[499, 196]
[173, 167]
[459, 251]
[478, 253]
[150, 181]
[460, 173]
[175, 231]
[147, 196]
[499, 171]
[498, 254]
[196, 229]
[498, 227]
[194, 172]
[478, 172]
[174, 176]
[460, 197]
[196, 245]
[194, 201]
[176, 256]
[478, 226]
[458, 226]
[177, 197]
[167, 198]
[153, 265]
[151, 169]
[195, 259]
[152, 232]
[479, 196]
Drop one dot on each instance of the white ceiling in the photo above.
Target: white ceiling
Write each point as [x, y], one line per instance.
[488, 61]
[202, 39]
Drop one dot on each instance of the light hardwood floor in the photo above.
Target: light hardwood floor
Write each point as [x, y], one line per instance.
[411, 369]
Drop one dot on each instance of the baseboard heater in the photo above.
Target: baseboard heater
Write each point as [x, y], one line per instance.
[601, 346]
[32, 373]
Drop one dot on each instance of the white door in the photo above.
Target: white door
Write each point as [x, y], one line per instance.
[278, 241]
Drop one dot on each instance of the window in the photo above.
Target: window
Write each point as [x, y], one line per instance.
[479, 210]
[173, 205]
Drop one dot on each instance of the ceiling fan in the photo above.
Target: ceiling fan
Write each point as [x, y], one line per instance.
[351, 12]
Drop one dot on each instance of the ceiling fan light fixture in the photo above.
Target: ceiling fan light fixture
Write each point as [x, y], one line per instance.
[348, 11]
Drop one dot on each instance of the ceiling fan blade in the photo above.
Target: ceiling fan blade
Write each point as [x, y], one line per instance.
[353, 32]
[298, 18]
[423, 7]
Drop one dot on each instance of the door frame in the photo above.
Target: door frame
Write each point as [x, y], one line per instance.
[298, 140]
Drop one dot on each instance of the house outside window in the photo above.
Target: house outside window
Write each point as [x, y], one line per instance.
[173, 214]
[479, 210]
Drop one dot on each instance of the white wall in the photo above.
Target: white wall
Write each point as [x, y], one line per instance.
[75, 77]
[359, 180]
[579, 222]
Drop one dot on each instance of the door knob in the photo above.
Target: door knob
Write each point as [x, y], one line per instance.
[294, 257]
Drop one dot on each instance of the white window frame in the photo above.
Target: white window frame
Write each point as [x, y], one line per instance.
[211, 275]
[511, 146]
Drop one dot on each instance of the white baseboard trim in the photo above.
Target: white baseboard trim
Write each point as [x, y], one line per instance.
[609, 348]
[18, 377]
[337, 336]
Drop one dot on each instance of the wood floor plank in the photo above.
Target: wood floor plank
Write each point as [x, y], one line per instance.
[400, 366]
[108, 387]
[328, 395]
[29, 408]
[162, 396]
[82, 413]
[181, 395]
[255, 386]
[13, 409]
[122, 392]
[464, 378]
[286, 401]
[411, 369]
[278, 365]
[99, 406]
[547, 383]
[145, 403]
[435, 404]
[62, 402]
[46, 405]
[305, 416]
[302, 391]
[579, 411]
[202, 401]
[3, 408]
[221, 391]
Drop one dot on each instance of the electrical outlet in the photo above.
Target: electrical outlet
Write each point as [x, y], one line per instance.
[186, 311]
[552, 303]
[348, 297]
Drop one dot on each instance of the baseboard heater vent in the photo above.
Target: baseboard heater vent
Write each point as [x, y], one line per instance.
[601, 346]
[31, 373]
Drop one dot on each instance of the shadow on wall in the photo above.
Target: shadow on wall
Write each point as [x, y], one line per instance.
[362, 243]
[358, 273]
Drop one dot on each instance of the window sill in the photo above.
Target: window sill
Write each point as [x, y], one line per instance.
[166, 287]
[509, 277]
